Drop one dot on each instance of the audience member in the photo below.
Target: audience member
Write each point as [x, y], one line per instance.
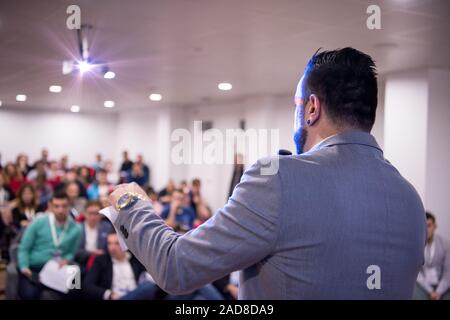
[52, 236]
[13, 177]
[71, 176]
[94, 234]
[179, 214]
[76, 202]
[100, 187]
[201, 209]
[115, 275]
[154, 197]
[26, 207]
[22, 164]
[43, 188]
[165, 194]
[98, 164]
[433, 281]
[125, 167]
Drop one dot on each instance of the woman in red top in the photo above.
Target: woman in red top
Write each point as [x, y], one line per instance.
[14, 178]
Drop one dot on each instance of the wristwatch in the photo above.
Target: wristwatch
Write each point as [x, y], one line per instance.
[127, 199]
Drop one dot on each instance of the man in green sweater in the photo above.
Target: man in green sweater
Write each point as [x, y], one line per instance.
[52, 236]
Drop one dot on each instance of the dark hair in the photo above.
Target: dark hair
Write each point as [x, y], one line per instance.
[34, 202]
[91, 203]
[430, 216]
[345, 81]
[59, 194]
[150, 190]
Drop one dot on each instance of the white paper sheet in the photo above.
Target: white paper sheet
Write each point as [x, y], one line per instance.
[112, 214]
[57, 278]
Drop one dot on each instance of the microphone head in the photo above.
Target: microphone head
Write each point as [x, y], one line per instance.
[284, 152]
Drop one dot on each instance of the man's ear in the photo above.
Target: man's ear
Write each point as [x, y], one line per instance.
[314, 109]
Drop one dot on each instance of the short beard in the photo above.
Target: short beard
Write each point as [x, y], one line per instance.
[300, 137]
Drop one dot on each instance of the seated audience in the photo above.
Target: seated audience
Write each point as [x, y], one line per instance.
[52, 236]
[433, 281]
[86, 175]
[178, 214]
[165, 194]
[201, 209]
[26, 207]
[228, 286]
[13, 177]
[112, 176]
[44, 189]
[54, 174]
[76, 203]
[39, 168]
[154, 197]
[115, 275]
[64, 163]
[137, 174]
[71, 176]
[125, 167]
[44, 158]
[94, 234]
[100, 187]
[98, 164]
[6, 194]
[22, 164]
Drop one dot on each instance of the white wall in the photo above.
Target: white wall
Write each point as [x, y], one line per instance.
[80, 136]
[405, 114]
[437, 187]
[417, 117]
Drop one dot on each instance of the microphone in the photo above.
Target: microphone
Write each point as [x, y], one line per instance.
[284, 152]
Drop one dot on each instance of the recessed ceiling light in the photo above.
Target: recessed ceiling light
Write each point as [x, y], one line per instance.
[21, 97]
[55, 88]
[109, 104]
[224, 86]
[75, 108]
[109, 75]
[155, 97]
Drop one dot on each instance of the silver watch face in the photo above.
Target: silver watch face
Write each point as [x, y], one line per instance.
[123, 200]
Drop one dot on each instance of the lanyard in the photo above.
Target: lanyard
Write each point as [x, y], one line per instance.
[57, 240]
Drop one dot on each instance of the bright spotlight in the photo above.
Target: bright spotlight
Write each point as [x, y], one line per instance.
[84, 66]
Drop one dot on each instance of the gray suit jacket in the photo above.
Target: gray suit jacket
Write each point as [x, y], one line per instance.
[310, 231]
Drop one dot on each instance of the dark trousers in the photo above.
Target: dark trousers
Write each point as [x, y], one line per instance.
[32, 289]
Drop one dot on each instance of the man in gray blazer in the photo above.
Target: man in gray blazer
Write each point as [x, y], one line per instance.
[335, 221]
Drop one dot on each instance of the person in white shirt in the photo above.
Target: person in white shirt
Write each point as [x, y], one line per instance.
[94, 235]
[433, 281]
[118, 275]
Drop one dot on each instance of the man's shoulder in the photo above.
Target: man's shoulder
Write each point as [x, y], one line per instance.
[40, 220]
[77, 227]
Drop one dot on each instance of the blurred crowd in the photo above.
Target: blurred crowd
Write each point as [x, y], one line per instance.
[50, 212]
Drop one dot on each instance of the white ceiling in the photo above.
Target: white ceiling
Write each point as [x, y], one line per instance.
[184, 48]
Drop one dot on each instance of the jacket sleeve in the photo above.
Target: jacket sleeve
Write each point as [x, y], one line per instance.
[444, 283]
[91, 283]
[239, 235]
[25, 245]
